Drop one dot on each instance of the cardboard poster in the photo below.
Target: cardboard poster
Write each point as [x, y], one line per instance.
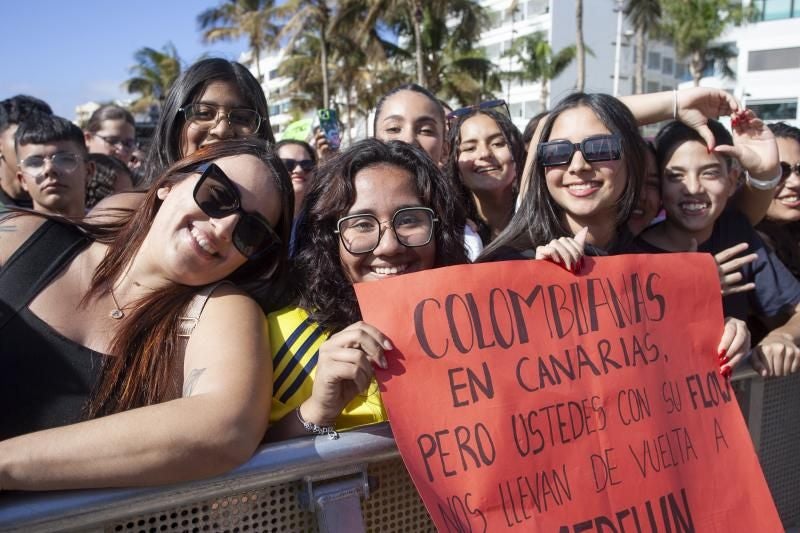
[523, 397]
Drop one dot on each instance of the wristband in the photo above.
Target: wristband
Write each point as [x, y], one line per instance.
[674, 104]
[311, 427]
[763, 185]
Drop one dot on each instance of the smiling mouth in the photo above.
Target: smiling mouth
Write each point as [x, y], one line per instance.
[389, 270]
[637, 212]
[486, 170]
[791, 200]
[694, 208]
[202, 242]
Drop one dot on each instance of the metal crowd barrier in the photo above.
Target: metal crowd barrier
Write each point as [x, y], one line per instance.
[354, 484]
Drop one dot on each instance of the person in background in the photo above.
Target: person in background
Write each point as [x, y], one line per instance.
[111, 130]
[13, 111]
[110, 176]
[300, 160]
[52, 165]
[485, 158]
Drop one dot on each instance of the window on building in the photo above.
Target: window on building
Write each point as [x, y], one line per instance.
[652, 87]
[537, 7]
[515, 110]
[777, 9]
[493, 51]
[654, 60]
[274, 110]
[774, 109]
[273, 74]
[667, 65]
[531, 108]
[682, 71]
[778, 58]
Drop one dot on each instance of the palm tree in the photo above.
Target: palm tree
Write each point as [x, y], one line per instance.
[694, 25]
[233, 19]
[153, 74]
[538, 62]
[580, 53]
[644, 15]
[307, 18]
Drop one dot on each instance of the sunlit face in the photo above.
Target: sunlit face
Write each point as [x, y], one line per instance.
[649, 198]
[221, 93]
[57, 190]
[587, 192]
[380, 191]
[299, 176]
[115, 138]
[412, 117]
[786, 205]
[695, 188]
[192, 248]
[8, 164]
[485, 162]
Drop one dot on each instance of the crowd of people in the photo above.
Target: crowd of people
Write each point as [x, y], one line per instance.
[143, 293]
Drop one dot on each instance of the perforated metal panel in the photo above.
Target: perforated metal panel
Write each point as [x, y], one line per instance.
[780, 444]
[394, 505]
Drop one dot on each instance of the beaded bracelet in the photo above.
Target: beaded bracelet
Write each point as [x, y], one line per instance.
[311, 427]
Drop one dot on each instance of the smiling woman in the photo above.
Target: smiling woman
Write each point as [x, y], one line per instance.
[128, 362]
[374, 211]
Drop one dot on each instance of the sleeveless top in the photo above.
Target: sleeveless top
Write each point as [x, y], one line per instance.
[45, 378]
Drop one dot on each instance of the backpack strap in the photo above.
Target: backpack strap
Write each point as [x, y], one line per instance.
[191, 314]
[52, 246]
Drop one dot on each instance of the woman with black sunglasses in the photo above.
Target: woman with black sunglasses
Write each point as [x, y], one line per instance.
[300, 161]
[374, 211]
[126, 362]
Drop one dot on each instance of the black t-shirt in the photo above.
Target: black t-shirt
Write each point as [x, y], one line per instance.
[5, 199]
[777, 290]
[784, 240]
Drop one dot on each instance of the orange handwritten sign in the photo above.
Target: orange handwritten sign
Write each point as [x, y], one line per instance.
[523, 397]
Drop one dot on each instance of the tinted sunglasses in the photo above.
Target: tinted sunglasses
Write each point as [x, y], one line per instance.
[787, 169]
[595, 148]
[497, 105]
[217, 196]
[306, 164]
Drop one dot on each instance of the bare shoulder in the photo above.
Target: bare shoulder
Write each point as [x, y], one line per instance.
[112, 207]
[14, 231]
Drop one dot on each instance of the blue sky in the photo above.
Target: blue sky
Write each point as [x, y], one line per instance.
[69, 52]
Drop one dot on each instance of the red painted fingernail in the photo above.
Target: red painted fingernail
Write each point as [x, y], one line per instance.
[723, 360]
[725, 372]
[722, 353]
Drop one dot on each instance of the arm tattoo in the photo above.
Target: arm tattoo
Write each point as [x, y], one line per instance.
[191, 381]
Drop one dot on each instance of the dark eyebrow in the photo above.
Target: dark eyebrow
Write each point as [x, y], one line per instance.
[704, 167]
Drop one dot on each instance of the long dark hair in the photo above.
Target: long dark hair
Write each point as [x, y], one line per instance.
[539, 219]
[165, 146]
[145, 352]
[324, 289]
[415, 88]
[513, 139]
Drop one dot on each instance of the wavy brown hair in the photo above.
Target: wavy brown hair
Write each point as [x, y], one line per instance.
[145, 353]
[324, 289]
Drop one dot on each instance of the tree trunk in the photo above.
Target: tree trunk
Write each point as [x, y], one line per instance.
[349, 116]
[418, 38]
[580, 52]
[696, 67]
[324, 60]
[641, 44]
[259, 75]
[544, 94]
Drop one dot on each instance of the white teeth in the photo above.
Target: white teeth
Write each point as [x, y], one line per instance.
[386, 271]
[203, 242]
[638, 212]
[694, 206]
[789, 199]
[581, 186]
[488, 169]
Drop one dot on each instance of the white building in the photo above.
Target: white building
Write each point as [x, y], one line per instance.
[556, 19]
[768, 63]
[278, 101]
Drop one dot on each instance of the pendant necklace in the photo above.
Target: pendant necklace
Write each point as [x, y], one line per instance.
[117, 313]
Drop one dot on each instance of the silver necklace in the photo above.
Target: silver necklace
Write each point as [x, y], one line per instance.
[117, 313]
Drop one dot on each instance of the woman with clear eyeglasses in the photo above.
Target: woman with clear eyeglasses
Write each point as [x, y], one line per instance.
[375, 211]
[111, 131]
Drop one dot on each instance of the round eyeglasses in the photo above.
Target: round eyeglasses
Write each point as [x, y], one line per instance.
[361, 233]
[63, 161]
[207, 116]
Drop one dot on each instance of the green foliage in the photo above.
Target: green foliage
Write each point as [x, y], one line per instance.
[153, 74]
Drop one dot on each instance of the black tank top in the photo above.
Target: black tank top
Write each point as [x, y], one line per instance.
[45, 378]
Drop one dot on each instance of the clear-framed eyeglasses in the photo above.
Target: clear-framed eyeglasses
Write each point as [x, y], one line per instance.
[361, 233]
[64, 161]
[207, 116]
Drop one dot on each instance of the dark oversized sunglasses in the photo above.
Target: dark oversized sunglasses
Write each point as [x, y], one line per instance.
[217, 196]
[595, 148]
[497, 105]
[787, 169]
[306, 164]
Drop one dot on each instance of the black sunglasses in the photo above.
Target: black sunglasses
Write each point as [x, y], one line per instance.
[595, 148]
[217, 196]
[787, 169]
[498, 105]
[306, 164]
